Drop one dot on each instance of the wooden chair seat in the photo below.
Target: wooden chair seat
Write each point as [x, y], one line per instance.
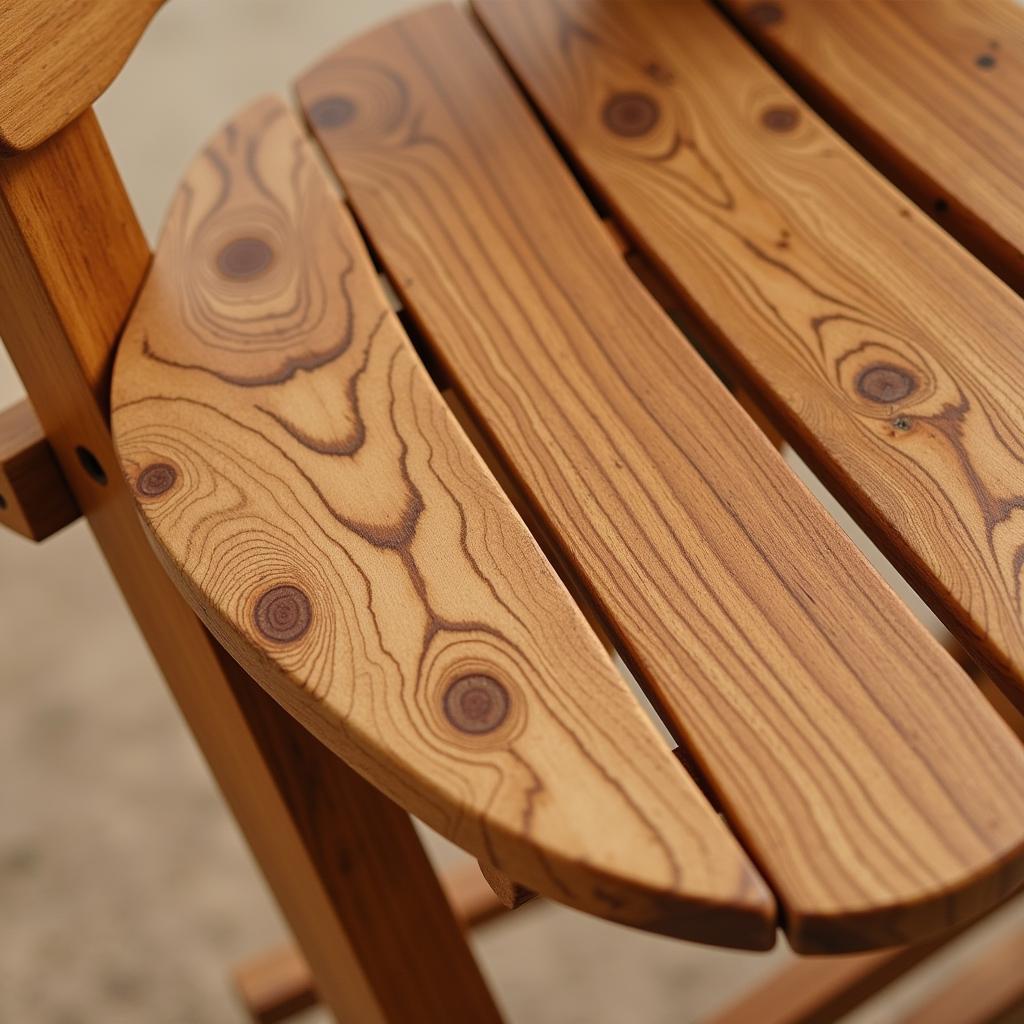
[311, 493]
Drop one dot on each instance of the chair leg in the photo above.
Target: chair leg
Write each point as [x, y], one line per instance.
[344, 863]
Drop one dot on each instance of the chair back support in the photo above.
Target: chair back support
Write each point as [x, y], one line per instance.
[57, 57]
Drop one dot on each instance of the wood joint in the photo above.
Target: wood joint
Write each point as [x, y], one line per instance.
[35, 499]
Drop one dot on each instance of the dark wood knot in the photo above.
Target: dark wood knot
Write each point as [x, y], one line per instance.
[244, 258]
[781, 119]
[156, 479]
[767, 12]
[332, 111]
[476, 704]
[283, 614]
[631, 114]
[885, 383]
[986, 61]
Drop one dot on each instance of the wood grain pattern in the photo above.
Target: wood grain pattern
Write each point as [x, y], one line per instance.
[57, 57]
[276, 984]
[886, 354]
[34, 497]
[843, 743]
[932, 93]
[73, 256]
[315, 499]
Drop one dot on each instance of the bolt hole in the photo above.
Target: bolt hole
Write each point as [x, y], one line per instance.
[91, 465]
[940, 204]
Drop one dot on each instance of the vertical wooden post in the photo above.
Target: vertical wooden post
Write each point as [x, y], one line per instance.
[344, 862]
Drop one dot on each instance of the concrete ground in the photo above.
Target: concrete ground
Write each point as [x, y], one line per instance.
[125, 890]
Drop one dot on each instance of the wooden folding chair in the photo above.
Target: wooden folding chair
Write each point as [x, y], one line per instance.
[381, 556]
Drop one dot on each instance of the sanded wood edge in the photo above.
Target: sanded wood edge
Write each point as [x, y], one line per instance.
[35, 499]
[278, 983]
[386, 127]
[57, 57]
[70, 272]
[345, 550]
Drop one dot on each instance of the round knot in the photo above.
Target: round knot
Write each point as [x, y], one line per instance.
[155, 479]
[283, 614]
[885, 383]
[332, 111]
[781, 119]
[631, 114]
[244, 258]
[767, 12]
[476, 704]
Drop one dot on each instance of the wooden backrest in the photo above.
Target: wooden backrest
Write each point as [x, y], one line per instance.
[56, 59]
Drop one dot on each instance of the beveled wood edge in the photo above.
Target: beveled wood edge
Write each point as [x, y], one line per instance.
[843, 930]
[746, 920]
[35, 499]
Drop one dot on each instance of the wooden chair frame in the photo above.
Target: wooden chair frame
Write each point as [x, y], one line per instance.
[380, 938]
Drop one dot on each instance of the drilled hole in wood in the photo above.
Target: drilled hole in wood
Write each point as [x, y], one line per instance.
[91, 465]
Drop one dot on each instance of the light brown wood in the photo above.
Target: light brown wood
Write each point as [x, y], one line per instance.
[57, 57]
[72, 261]
[509, 893]
[989, 991]
[829, 296]
[278, 983]
[820, 990]
[880, 794]
[932, 93]
[34, 497]
[314, 498]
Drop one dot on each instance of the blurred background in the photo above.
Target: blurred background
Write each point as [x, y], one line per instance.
[126, 892]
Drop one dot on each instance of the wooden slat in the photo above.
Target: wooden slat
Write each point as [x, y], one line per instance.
[57, 57]
[886, 354]
[844, 744]
[34, 496]
[316, 501]
[932, 93]
[277, 984]
[73, 256]
[989, 991]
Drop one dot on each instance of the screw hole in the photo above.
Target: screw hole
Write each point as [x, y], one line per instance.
[940, 205]
[91, 465]
[3, 503]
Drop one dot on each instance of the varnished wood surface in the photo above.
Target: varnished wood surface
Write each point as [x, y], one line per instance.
[73, 256]
[34, 497]
[276, 984]
[932, 92]
[57, 57]
[888, 356]
[316, 500]
[879, 793]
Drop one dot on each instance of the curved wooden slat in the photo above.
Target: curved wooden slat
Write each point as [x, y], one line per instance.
[932, 92]
[315, 500]
[57, 57]
[879, 793]
[888, 356]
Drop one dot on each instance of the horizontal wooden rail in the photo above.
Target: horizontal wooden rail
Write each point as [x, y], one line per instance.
[35, 500]
[989, 990]
[277, 984]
